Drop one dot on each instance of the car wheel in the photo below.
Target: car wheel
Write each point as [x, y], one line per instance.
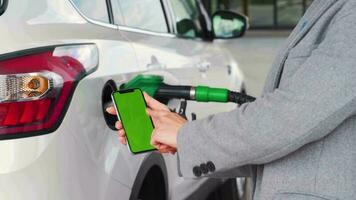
[151, 179]
[226, 191]
[153, 186]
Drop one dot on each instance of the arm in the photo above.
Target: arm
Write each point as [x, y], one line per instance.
[307, 107]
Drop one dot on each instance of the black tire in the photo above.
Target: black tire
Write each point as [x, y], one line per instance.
[227, 191]
[153, 186]
[151, 180]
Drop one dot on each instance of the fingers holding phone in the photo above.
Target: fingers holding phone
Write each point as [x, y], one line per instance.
[111, 110]
[121, 133]
[118, 125]
[166, 124]
[162, 148]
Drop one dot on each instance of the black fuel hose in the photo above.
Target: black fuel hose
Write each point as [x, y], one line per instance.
[240, 98]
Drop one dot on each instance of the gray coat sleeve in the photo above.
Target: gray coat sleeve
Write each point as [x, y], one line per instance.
[310, 104]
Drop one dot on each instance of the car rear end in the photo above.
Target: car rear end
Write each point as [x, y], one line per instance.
[54, 142]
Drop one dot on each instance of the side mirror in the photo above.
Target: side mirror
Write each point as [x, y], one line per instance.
[228, 25]
[186, 28]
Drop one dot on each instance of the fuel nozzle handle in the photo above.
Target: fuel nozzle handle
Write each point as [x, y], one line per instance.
[165, 91]
[154, 86]
[201, 94]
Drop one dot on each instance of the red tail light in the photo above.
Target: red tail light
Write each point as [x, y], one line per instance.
[35, 89]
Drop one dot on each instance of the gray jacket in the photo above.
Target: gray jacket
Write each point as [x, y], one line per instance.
[301, 133]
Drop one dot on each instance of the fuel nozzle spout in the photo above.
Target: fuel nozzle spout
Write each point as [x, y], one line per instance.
[155, 87]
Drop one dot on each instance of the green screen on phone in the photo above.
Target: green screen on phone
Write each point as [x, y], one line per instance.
[138, 126]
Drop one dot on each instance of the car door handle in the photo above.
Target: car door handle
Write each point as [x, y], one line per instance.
[204, 66]
[154, 66]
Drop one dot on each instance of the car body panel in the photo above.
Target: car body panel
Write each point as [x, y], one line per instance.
[83, 159]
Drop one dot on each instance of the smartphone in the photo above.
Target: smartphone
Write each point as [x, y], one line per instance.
[131, 108]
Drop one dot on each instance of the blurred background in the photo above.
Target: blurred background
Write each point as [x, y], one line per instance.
[264, 14]
[271, 21]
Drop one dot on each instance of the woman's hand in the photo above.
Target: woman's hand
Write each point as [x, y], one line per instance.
[118, 126]
[167, 125]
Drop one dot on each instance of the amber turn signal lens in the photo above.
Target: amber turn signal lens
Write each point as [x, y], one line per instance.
[23, 87]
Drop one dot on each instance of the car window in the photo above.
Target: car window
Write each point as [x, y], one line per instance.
[3, 5]
[94, 9]
[186, 14]
[117, 14]
[144, 14]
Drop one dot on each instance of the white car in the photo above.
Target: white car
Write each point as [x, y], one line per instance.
[59, 63]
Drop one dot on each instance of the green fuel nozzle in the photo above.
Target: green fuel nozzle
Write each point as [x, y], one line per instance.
[154, 86]
[208, 94]
[148, 83]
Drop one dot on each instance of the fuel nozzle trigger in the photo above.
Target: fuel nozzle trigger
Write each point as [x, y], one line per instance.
[183, 108]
